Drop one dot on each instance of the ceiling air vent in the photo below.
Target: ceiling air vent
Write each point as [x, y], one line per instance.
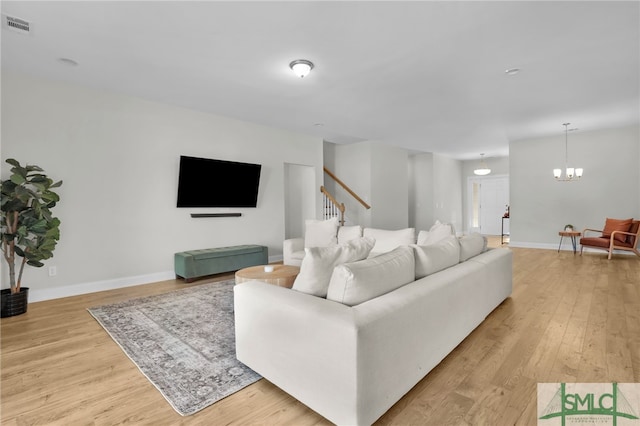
[16, 24]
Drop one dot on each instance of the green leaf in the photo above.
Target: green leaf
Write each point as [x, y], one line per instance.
[19, 251]
[33, 168]
[53, 233]
[23, 194]
[49, 196]
[56, 185]
[8, 187]
[18, 170]
[13, 162]
[48, 245]
[39, 179]
[35, 263]
[18, 179]
[46, 214]
[40, 186]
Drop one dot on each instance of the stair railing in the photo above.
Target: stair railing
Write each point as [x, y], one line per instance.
[330, 207]
[346, 188]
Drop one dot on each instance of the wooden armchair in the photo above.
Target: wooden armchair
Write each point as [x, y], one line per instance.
[614, 237]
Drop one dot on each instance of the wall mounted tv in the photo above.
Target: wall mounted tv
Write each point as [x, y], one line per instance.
[204, 182]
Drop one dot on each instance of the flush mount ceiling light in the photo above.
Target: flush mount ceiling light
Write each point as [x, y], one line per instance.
[483, 170]
[570, 173]
[301, 67]
[512, 71]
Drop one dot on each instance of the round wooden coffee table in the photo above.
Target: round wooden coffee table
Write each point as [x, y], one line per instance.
[282, 275]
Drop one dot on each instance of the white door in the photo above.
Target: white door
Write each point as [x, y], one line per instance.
[488, 200]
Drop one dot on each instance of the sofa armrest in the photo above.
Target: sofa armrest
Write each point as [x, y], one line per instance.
[289, 247]
[303, 344]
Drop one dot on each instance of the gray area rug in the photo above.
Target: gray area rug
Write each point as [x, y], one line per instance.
[183, 342]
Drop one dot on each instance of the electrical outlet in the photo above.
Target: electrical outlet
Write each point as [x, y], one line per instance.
[53, 271]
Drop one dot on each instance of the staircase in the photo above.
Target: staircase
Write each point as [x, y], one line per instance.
[331, 207]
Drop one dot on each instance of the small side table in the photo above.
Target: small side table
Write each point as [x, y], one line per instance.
[282, 275]
[571, 234]
[503, 233]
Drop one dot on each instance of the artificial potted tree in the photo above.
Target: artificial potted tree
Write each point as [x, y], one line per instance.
[29, 231]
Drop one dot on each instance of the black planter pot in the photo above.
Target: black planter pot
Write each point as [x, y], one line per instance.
[13, 304]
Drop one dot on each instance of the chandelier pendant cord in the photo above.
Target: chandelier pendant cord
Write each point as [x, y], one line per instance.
[566, 146]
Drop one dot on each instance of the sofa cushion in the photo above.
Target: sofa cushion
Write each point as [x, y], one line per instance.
[602, 242]
[438, 231]
[357, 282]
[298, 255]
[348, 233]
[617, 225]
[388, 240]
[437, 256]
[319, 262]
[631, 239]
[472, 245]
[321, 233]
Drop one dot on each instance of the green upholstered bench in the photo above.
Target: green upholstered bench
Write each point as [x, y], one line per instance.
[199, 263]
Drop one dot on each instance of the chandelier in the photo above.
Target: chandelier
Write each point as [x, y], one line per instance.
[570, 173]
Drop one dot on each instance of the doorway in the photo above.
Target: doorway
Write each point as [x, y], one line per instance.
[488, 201]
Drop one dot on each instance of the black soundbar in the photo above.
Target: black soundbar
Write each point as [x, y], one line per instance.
[216, 214]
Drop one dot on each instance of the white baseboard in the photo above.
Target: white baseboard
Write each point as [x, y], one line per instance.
[39, 295]
[544, 246]
[565, 247]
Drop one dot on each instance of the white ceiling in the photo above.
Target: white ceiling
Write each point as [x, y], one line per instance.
[424, 75]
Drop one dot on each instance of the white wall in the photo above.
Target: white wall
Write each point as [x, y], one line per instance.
[437, 191]
[329, 158]
[389, 187]
[541, 206]
[447, 190]
[118, 157]
[421, 199]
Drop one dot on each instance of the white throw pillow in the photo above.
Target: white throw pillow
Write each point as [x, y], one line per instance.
[357, 282]
[319, 262]
[348, 233]
[472, 245]
[436, 257]
[388, 240]
[321, 233]
[438, 231]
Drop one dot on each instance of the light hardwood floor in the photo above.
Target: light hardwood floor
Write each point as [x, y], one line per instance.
[570, 319]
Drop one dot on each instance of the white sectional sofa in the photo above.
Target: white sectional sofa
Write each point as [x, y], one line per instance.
[385, 323]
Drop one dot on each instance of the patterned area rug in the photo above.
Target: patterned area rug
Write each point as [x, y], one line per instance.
[183, 342]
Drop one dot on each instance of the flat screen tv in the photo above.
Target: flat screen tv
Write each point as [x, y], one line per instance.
[204, 182]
